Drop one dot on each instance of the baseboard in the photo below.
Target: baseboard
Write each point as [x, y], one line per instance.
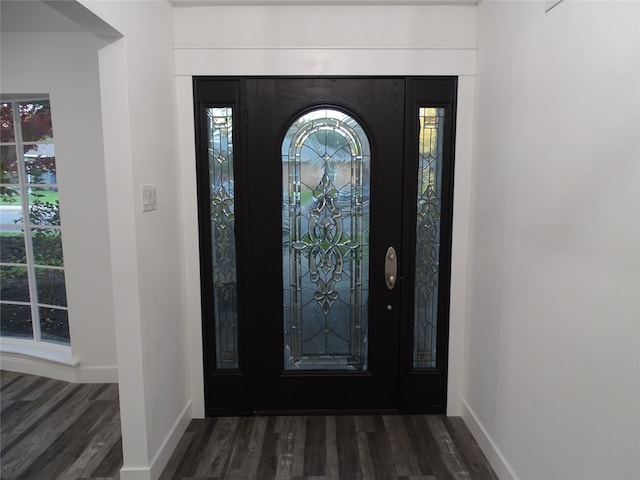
[161, 458]
[495, 457]
[170, 443]
[135, 473]
[67, 372]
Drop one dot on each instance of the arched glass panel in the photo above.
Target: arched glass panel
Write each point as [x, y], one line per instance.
[325, 243]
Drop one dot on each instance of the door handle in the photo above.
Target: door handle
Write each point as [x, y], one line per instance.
[390, 268]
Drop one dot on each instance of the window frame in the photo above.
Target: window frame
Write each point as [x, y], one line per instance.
[12, 344]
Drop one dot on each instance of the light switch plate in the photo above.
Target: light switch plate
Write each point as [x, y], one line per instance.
[149, 202]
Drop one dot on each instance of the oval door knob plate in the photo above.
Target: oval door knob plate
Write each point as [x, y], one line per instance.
[390, 268]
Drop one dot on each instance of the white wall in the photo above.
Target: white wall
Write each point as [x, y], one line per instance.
[139, 117]
[335, 26]
[321, 40]
[50, 63]
[552, 384]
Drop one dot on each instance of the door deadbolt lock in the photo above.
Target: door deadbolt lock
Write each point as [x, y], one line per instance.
[390, 268]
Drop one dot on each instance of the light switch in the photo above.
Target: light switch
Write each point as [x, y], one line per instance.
[149, 198]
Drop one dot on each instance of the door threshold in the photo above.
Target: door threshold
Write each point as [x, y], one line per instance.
[393, 411]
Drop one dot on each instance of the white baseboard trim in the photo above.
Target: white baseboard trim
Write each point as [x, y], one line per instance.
[161, 458]
[50, 368]
[171, 442]
[135, 473]
[495, 457]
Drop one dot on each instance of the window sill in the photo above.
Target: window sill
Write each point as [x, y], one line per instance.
[60, 354]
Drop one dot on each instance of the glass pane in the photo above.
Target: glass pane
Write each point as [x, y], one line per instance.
[47, 246]
[325, 244]
[8, 165]
[11, 213]
[15, 321]
[54, 325]
[220, 134]
[430, 138]
[6, 123]
[12, 248]
[35, 118]
[44, 206]
[40, 163]
[51, 287]
[14, 284]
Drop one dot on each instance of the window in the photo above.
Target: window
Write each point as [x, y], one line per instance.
[222, 204]
[32, 283]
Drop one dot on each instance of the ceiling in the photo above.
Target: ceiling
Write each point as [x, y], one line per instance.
[33, 16]
[36, 16]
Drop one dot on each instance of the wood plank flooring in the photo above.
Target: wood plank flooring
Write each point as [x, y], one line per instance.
[58, 430]
[346, 447]
[51, 429]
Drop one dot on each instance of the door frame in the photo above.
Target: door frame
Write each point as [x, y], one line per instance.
[423, 62]
[428, 91]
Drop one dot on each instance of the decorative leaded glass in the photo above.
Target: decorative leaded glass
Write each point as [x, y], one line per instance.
[431, 121]
[325, 244]
[220, 135]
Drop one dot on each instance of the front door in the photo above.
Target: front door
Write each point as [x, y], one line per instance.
[325, 224]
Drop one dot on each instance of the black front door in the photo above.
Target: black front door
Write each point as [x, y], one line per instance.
[325, 218]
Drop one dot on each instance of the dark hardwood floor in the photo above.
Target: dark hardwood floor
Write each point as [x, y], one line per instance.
[52, 429]
[58, 430]
[363, 447]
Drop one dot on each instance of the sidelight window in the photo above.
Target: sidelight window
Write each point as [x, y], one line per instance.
[427, 268]
[223, 248]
